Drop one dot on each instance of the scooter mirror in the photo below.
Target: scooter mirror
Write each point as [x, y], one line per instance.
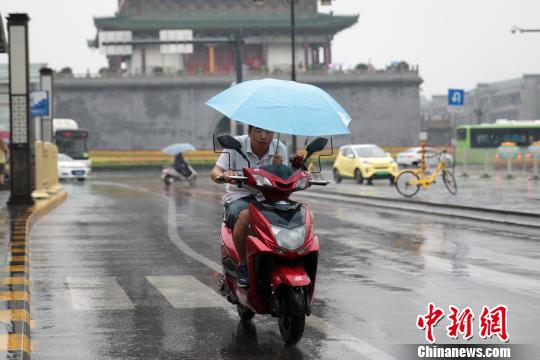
[316, 145]
[228, 142]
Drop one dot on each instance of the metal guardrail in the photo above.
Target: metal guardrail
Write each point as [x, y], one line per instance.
[490, 162]
[508, 217]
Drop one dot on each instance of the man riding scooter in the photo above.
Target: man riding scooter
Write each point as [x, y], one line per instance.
[261, 150]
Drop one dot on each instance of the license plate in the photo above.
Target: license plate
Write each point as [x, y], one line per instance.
[78, 172]
[382, 172]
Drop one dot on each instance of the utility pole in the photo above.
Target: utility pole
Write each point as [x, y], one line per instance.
[293, 64]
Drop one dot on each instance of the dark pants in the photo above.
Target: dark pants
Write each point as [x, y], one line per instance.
[233, 209]
[183, 169]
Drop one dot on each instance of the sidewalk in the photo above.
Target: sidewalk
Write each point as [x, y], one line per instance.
[15, 227]
[519, 194]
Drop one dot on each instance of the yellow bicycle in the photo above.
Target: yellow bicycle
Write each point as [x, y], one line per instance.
[408, 182]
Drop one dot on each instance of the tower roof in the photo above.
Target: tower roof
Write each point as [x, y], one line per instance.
[227, 21]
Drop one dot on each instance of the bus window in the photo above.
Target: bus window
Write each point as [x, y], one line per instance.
[489, 138]
[72, 143]
[484, 138]
[462, 134]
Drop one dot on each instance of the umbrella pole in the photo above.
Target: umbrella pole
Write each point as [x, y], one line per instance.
[277, 144]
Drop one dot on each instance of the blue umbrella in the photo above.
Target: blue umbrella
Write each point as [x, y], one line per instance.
[177, 148]
[283, 106]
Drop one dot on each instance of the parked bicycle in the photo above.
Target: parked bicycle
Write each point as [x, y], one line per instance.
[408, 182]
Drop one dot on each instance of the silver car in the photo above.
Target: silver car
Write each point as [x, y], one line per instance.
[69, 168]
[412, 157]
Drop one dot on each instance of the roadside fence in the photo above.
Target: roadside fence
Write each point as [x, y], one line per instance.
[490, 162]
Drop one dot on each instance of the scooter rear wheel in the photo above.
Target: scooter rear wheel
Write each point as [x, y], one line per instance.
[244, 313]
[192, 180]
[292, 318]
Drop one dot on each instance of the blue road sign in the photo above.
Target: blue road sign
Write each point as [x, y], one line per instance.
[39, 103]
[456, 97]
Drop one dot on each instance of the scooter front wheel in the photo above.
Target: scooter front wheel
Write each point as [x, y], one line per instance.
[168, 180]
[292, 317]
[244, 313]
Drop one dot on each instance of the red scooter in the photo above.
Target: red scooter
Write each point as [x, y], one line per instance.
[282, 248]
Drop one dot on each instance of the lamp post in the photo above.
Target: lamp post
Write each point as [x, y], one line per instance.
[292, 4]
[46, 80]
[517, 29]
[21, 134]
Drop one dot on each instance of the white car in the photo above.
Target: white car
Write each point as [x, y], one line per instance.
[69, 168]
[413, 156]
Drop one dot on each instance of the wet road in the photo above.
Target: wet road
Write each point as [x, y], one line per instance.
[126, 270]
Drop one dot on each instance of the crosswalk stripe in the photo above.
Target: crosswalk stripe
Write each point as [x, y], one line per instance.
[97, 293]
[184, 291]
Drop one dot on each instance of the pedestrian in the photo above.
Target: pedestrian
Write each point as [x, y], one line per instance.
[3, 161]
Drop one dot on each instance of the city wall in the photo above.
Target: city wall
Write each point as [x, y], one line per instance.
[149, 113]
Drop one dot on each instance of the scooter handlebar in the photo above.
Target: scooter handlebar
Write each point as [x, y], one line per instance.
[319, 182]
[220, 178]
[237, 178]
[231, 178]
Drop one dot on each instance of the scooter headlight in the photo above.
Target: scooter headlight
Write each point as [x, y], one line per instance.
[262, 180]
[290, 239]
[302, 184]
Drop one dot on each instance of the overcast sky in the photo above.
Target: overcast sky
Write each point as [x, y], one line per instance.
[456, 43]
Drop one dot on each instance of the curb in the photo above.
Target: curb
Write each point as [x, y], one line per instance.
[459, 211]
[15, 279]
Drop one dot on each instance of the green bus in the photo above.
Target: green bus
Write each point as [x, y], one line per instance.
[472, 141]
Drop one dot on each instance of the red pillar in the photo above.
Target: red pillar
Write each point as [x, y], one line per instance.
[306, 56]
[143, 60]
[327, 54]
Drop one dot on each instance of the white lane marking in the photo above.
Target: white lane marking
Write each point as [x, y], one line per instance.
[185, 291]
[360, 346]
[331, 331]
[356, 344]
[97, 293]
[506, 281]
[172, 230]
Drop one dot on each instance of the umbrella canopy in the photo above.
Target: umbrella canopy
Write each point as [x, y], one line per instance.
[283, 106]
[175, 149]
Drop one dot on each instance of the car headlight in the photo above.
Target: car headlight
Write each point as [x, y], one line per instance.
[290, 239]
[302, 184]
[262, 180]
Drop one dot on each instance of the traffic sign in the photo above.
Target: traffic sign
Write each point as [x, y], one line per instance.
[456, 97]
[39, 103]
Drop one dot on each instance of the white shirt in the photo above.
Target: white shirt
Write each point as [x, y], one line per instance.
[237, 162]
